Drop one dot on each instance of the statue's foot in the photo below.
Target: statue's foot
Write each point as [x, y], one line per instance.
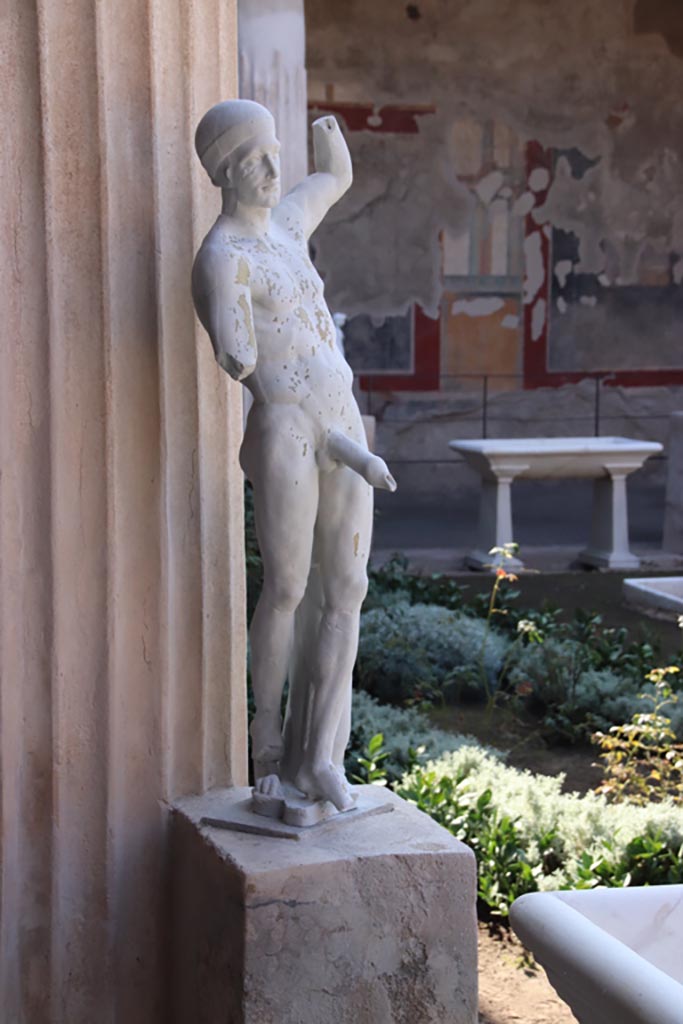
[325, 782]
[377, 473]
[269, 785]
[268, 796]
[266, 739]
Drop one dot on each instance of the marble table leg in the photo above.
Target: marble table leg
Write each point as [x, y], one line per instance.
[495, 525]
[608, 547]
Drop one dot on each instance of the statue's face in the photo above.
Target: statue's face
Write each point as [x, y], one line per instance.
[254, 171]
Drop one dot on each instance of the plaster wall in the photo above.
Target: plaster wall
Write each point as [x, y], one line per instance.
[122, 634]
[533, 203]
[605, 80]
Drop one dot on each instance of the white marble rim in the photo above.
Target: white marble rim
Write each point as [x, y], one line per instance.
[665, 592]
[599, 976]
[556, 445]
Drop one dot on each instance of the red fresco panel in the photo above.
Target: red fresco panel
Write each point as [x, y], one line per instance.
[425, 375]
[363, 117]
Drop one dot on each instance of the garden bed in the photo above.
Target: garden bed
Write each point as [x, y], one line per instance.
[522, 745]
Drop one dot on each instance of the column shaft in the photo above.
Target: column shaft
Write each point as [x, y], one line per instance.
[122, 632]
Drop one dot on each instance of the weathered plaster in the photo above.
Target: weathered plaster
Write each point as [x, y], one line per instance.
[605, 79]
[477, 307]
[380, 245]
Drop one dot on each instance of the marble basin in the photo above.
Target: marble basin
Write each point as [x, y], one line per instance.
[606, 460]
[656, 595]
[548, 457]
[614, 955]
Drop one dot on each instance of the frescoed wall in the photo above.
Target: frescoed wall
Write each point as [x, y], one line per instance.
[516, 221]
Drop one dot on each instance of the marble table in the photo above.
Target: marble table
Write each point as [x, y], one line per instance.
[606, 460]
[614, 955]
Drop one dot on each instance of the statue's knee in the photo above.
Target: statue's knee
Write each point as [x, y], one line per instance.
[285, 594]
[349, 591]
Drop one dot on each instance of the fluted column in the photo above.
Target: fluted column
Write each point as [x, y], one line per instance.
[122, 635]
[272, 55]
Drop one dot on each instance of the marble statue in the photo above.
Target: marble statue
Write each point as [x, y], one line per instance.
[261, 301]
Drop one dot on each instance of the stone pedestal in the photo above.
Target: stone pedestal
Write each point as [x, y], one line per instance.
[367, 922]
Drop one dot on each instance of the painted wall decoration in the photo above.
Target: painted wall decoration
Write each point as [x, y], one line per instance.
[564, 341]
[513, 300]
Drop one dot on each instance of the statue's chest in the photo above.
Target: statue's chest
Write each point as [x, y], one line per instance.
[282, 277]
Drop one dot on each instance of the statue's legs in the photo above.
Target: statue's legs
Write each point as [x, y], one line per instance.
[342, 546]
[280, 462]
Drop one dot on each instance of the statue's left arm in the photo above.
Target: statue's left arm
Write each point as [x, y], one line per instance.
[332, 177]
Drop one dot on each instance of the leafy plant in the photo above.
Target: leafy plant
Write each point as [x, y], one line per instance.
[643, 760]
[559, 684]
[504, 872]
[505, 553]
[371, 770]
[645, 860]
[612, 648]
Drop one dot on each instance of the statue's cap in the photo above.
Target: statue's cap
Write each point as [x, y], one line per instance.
[225, 127]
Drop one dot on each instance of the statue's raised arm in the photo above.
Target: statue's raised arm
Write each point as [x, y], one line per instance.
[332, 177]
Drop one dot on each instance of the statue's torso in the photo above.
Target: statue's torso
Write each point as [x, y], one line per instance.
[299, 362]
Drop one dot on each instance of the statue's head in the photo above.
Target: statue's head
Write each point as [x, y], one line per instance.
[238, 148]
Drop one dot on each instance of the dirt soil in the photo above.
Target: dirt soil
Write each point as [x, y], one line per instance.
[512, 989]
[523, 744]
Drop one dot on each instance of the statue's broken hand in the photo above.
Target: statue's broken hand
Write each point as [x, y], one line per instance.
[325, 125]
[330, 152]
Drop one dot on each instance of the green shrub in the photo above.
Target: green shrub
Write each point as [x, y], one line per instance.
[559, 839]
[612, 648]
[412, 652]
[408, 736]
[645, 860]
[573, 699]
[393, 582]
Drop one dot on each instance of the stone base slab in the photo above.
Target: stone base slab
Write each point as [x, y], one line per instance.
[598, 558]
[233, 809]
[366, 922]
